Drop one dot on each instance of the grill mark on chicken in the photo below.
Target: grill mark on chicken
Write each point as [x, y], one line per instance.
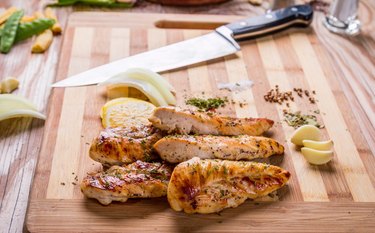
[117, 146]
[179, 148]
[136, 180]
[174, 120]
[209, 186]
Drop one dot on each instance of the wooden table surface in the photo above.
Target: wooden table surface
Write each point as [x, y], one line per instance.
[20, 139]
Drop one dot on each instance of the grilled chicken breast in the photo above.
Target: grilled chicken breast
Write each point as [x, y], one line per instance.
[136, 180]
[208, 186]
[117, 146]
[179, 148]
[174, 120]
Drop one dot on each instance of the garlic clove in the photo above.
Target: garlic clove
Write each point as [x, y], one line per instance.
[305, 132]
[317, 157]
[318, 145]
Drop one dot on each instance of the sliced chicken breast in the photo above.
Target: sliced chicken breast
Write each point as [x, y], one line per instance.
[136, 180]
[174, 120]
[209, 186]
[117, 146]
[179, 148]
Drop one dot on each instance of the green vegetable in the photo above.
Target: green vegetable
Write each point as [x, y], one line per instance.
[103, 3]
[207, 105]
[297, 119]
[9, 32]
[27, 30]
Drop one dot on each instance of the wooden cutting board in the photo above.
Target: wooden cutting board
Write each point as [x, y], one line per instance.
[334, 197]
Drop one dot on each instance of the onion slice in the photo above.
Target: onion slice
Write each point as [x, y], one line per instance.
[146, 88]
[145, 76]
[12, 106]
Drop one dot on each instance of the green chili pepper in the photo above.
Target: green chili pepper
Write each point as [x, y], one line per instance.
[103, 3]
[27, 30]
[9, 32]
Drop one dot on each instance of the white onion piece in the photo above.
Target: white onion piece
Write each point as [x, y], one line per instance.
[146, 88]
[161, 85]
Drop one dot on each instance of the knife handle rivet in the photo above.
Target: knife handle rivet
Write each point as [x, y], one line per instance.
[294, 9]
[243, 23]
[269, 16]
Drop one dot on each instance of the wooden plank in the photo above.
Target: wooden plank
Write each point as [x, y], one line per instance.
[67, 148]
[348, 157]
[147, 216]
[198, 74]
[244, 100]
[262, 62]
[36, 72]
[310, 180]
[345, 102]
[334, 180]
[257, 73]
[179, 78]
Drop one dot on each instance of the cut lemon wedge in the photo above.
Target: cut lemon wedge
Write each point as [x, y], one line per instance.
[126, 112]
[154, 86]
[317, 157]
[12, 106]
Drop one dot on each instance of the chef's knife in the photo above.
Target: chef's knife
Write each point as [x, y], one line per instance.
[219, 43]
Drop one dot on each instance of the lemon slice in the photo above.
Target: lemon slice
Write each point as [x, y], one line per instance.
[317, 157]
[126, 112]
[318, 145]
[12, 106]
[305, 132]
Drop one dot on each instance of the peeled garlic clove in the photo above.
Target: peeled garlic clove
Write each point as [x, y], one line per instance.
[305, 132]
[318, 145]
[317, 157]
[9, 85]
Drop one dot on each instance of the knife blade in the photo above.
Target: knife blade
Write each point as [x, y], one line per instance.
[221, 42]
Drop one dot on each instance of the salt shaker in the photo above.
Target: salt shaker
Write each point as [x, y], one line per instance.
[342, 17]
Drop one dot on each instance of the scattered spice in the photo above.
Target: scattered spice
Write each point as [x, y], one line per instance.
[62, 183]
[74, 183]
[297, 119]
[276, 96]
[209, 104]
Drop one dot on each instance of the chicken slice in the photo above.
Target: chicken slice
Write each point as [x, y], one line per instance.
[136, 180]
[117, 146]
[179, 148]
[174, 120]
[209, 186]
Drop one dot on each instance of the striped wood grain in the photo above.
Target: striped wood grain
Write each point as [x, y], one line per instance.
[64, 153]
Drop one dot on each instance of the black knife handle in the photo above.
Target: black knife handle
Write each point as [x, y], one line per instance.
[297, 15]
